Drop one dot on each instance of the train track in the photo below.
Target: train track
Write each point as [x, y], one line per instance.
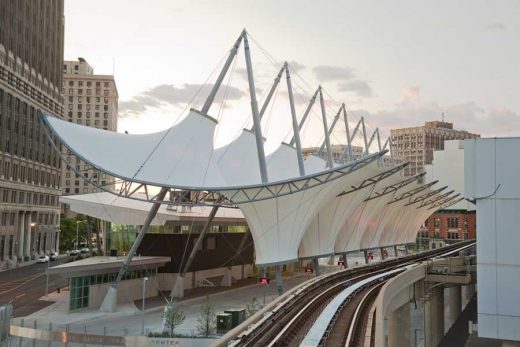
[290, 321]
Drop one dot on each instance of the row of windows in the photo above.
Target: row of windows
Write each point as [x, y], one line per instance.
[39, 93]
[71, 91]
[9, 218]
[27, 198]
[21, 132]
[79, 107]
[88, 99]
[71, 83]
[27, 174]
[79, 286]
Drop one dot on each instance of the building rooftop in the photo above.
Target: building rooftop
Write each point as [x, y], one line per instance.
[103, 264]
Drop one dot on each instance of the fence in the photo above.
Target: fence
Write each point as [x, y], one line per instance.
[27, 334]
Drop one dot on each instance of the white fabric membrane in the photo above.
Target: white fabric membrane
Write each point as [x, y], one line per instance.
[184, 156]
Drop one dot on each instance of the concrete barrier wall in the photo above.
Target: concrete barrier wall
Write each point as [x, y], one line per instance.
[395, 293]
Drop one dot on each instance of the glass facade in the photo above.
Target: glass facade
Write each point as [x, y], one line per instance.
[79, 286]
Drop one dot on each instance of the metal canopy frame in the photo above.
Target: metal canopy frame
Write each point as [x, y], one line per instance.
[435, 199]
[374, 179]
[428, 195]
[228, 196]
[437, 204]
[450, 204]
[412, 192]
[394, 187]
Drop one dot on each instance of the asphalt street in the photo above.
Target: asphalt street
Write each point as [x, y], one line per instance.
[25, 285]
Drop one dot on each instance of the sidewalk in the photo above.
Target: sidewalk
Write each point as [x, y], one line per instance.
[128, 318]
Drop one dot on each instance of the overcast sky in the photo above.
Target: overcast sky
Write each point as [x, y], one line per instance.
[398, 63]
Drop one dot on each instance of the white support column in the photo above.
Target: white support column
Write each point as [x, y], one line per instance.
[454, 304]
[29, 235]
[296, 129]
[330, 161]
[434, 317]
[363, 128]
[21, 236]
[347, 129]
[399, 327]
[254, 108]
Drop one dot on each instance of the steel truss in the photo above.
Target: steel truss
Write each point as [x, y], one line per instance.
[412, 192]
[226, 197]
[425, 196]
[374, 179]
[394, 187]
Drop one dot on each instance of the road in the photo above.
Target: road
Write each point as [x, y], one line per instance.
[25, 285]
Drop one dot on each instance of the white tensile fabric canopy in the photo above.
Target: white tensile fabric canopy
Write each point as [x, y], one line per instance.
[121, 210]
[321, 235]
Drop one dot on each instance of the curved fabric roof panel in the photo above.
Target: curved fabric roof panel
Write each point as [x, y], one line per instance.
[372, 234]
[388, 219]
[120, 210]
[320, 236]
[181, 156]
[349, 237]
[277, 225]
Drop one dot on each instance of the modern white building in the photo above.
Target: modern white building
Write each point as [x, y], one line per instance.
[492, 172]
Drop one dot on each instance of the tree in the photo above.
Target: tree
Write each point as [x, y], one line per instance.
[252, 307]
[68, 230]
[207, 319]
[173, 316]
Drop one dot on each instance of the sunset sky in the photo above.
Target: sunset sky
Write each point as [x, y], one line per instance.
[398, 63]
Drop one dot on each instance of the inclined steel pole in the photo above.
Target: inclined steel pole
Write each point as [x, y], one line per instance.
[254, 108]
[296, 129]
[330, 161]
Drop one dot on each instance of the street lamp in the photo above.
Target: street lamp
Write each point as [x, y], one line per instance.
[33, 236]
[77, 233]
[145, 279]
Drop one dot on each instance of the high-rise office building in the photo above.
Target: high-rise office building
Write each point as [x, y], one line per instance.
[89, 100]
[31, 60]
[416, 144]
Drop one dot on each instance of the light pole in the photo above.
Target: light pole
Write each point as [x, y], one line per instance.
[145, 279]
[31, 237]
[47, 273]
[77, 233]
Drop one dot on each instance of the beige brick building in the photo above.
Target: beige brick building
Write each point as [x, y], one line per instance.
[89, 100]
[416, 144]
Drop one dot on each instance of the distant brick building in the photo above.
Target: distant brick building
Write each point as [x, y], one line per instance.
[450, 225]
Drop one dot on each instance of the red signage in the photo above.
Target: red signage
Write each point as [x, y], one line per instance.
[309, 270]
[264, 281]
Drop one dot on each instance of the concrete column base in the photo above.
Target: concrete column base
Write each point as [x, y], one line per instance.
[227, 279]
[279, 281]
[434, 317]
[110, 301]
[454, 304]
[399, 327]
[178, 288]
[316, 266]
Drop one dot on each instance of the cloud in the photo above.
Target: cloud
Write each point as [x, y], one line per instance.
[497, 26]
[168, 94]
[332, 73]
[295, 67]
[410, 94]
[358, 87]
[411, 111]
